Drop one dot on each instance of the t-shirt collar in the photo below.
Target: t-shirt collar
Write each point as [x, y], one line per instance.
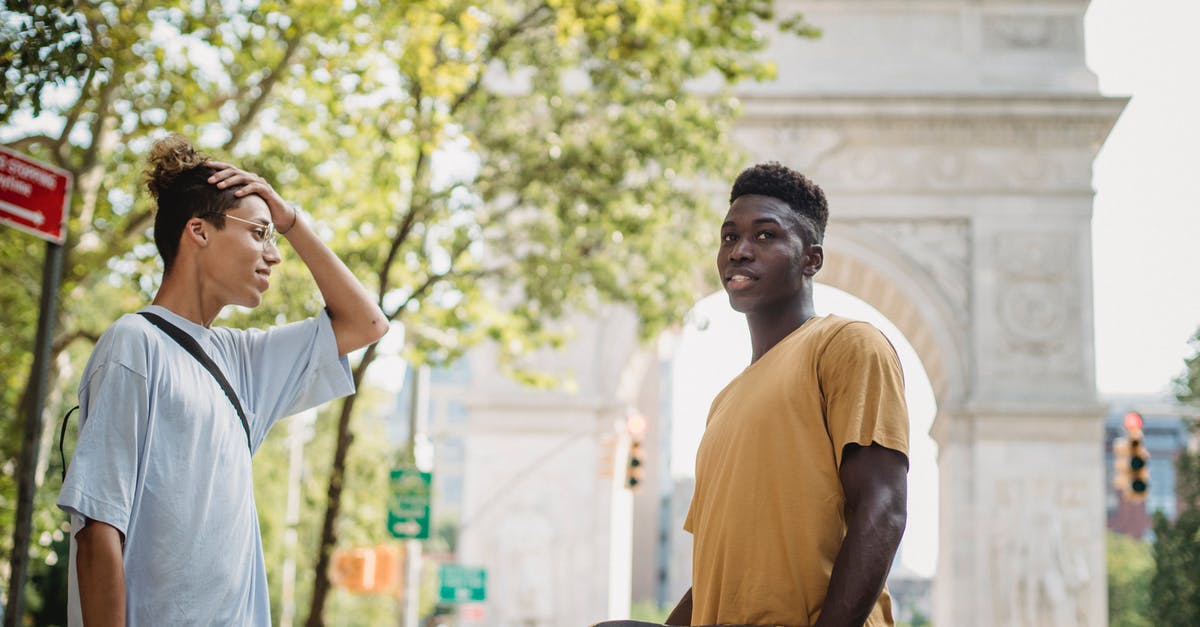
[198, 331]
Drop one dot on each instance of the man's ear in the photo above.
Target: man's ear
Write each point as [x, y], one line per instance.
[814, 258]
[197, 231]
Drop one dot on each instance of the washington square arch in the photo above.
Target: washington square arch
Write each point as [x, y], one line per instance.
[955, 141]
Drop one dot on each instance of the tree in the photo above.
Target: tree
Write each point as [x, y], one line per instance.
[574, 129]
[486, 165]
[1130, 567]
[1187, 385]
[41, 44]
[1175, 589]
[86, 87]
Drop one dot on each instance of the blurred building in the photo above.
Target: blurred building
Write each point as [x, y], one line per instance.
[1166, 433]
[912, 594]
[534, 481]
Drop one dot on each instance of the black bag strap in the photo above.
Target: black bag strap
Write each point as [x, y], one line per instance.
[62, 435]
[192, 346]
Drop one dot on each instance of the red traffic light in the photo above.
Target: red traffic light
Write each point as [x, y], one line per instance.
[1133, 421]
[636, 424]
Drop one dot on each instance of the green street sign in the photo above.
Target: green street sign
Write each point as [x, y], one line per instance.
[459, 584]
[408, 512]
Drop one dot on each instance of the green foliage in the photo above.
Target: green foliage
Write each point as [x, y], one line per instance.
[649, 611]
[1187, 385]
[1175, 589]
[486, 166]
[918, 620]
[1130, 566]
[42, 44]
[365, 512]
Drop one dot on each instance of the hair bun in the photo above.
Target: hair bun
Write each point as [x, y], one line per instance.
[170, 157]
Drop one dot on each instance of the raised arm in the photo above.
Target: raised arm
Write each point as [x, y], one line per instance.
[100, 570]
[357, 320]
[875, 481]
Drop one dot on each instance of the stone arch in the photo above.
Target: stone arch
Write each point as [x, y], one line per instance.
[955, 145]
[954, 140]
[885, 278]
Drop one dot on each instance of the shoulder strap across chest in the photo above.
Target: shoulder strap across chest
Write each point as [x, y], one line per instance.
[190, 344]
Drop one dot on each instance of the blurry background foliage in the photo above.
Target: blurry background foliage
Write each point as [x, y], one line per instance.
[484, 166]
[1155, 582]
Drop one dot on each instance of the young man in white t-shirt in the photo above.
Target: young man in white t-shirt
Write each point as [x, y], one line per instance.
[160, 489]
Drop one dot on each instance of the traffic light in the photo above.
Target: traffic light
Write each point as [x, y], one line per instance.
[1131, 460]
[633, 474]
[1139, 458]
[635, 426]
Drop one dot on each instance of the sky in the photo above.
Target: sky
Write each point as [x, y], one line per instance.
[1147, 210]
[1145, 229]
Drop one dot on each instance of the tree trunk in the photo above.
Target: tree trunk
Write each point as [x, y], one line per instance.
[321, 583]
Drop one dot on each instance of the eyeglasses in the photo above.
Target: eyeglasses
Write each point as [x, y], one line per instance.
[265, 233]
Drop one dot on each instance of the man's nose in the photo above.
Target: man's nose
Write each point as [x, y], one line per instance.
[271, 253]
[742, 250]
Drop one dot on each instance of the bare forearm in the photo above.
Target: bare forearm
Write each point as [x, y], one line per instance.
[100, 571]
[875, 483]
[357, 320]
[862, 565]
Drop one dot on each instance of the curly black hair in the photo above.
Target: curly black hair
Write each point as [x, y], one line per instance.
[177, 178]
[801, 194]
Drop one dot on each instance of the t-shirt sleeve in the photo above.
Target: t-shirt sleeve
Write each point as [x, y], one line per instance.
[862, 385]
[102, 475]
[288, 369]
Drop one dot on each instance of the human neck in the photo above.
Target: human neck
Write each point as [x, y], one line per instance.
[768, 329]
[187, 298]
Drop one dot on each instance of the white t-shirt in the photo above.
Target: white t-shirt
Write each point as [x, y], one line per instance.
[162, 457]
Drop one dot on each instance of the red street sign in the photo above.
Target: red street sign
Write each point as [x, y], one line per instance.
[34, 196]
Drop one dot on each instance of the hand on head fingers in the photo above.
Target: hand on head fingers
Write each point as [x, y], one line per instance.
[233, 176]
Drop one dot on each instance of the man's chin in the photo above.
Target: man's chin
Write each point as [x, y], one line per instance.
[251, 302]
[736, 304]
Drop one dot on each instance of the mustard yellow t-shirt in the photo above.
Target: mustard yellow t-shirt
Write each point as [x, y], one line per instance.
[767, 513]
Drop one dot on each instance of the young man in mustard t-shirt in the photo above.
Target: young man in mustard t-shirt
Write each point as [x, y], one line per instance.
[801, 476]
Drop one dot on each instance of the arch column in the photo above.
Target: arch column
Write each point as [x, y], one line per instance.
[967, 221]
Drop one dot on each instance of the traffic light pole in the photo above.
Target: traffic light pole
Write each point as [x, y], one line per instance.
[35, 400]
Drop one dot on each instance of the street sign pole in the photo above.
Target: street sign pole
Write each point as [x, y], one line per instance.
[34, 197]
[412, 584]
[14, 612]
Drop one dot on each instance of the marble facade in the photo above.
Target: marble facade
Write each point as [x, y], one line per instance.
[955, 140]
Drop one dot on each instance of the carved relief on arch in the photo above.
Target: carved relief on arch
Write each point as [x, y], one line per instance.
[1014, 32]
[922, 154]
[940, 247]
[949, 168]
[798, 144]
[1038, 305]
[1037, 575]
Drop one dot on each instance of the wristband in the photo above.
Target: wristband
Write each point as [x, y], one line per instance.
[295, 217]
